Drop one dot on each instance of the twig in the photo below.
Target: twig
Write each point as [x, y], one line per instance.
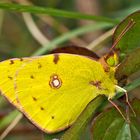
[11, 126]
[32, 27]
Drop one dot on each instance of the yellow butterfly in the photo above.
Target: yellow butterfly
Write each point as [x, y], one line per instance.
[53, 90]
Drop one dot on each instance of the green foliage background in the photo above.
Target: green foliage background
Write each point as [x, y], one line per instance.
[60, 28]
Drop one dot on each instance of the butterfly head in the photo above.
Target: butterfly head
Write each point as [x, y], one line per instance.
[112, 59]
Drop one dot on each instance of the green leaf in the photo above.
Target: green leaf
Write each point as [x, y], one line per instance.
[54, 12]
[111, 126]
[129, 65]
[103, 127]
[124, 133]
[130, 40]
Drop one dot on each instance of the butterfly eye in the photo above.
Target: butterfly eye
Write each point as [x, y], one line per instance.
[55, 81]
[112, 59]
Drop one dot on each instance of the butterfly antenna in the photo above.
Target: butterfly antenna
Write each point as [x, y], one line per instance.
[129, 26]
[127, 99]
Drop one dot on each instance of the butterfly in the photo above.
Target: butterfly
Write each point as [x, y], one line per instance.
[52, 90]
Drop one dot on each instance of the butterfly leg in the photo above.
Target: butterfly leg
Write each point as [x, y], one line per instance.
[118, 109]
[127, 100]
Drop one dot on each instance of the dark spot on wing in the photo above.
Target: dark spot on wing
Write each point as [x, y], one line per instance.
[9, 77]
[55, 82]
[41, 108]
[52, 117]
[39, 65]
[35, 99]
[32, 77]
[21, 59]
[96, 84]
[11, 62]
[56, 58]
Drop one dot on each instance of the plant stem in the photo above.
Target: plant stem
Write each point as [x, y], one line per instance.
[55, 12]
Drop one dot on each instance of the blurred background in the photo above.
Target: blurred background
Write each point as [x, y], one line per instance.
[24, 34]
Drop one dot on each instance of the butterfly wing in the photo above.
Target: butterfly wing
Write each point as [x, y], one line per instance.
[53, 90]
[7, 72]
